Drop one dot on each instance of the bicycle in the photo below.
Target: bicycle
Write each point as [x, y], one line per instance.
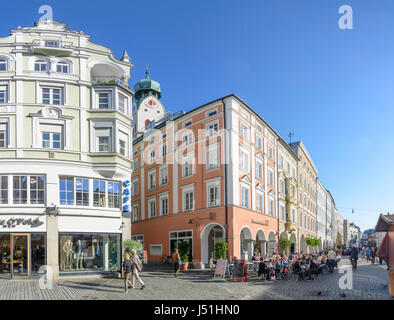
[165, 259]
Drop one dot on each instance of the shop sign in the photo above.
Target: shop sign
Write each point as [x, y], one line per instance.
[264, 223]
[13, 222]
[126, 196]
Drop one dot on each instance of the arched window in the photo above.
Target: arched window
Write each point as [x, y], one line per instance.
[3, 64]
[40, 65]
[62, 67]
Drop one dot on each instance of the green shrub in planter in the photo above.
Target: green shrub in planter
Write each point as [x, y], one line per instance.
[183, 248]
[284, 244]
[221, 250]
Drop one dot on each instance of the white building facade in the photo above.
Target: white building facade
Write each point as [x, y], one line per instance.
[65, 152]
[322, 225]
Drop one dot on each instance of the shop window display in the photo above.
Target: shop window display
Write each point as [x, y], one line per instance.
[89, 252]
[5, 251]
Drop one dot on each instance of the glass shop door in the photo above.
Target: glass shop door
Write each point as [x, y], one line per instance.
[20, 266]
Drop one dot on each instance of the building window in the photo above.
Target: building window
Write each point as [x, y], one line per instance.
[282, 213]
[52, 43]
[164, 150]
[3, 64]
[259, 202]
[122, 147]
[270, 178]
[3, 135]
[52, 96]
[40, 66]
[187, 166]
[244, 132]
[187, 139]
[213, 196]
[99, 199]
[270, 153]
[156, 250]
[187, 124]
[245, 197]
[104, 100]
[212, 129]
[3, 190]
[62, 67]
[113, 195]
[135, 213]
[152, 156]
[213, 156]
[152, 180]
[135, 164]
[152, 208]
[181, 236]
[163, 175]
[259, 171]
[3, 94]
[259, 144]
[52, 140]
[271, 207]
[280, 161]
[164, 205]
[66, 191]
[103, 139]
[188, 198]
[20, 189]
[282, 188]
[244, 161]
[134, 188]
[212, 113]
[82, 192]
[122, 100]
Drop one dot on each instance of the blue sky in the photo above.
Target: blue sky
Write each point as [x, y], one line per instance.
[287, 59]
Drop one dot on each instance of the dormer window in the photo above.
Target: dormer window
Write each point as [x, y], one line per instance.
[40, 66]
[3, 64]
[52, 44]
[62, 67]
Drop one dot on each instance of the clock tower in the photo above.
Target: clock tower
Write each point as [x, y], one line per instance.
[148, 106]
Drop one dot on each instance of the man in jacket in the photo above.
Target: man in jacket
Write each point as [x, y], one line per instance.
[354, 256]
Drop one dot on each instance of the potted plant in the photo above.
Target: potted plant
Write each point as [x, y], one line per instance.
[221, 250]
[183, 248]
[284, 244]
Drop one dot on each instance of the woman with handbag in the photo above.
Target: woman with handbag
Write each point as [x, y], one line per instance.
[176, 260]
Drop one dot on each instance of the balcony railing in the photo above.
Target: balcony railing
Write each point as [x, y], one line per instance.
[108, 80]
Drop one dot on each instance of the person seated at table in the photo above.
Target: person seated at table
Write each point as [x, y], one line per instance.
[230, 267]
[278, 267]
[300, 269]
[254, 258]
[313, 268]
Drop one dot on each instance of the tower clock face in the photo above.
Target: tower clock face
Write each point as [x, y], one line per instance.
[151, 103]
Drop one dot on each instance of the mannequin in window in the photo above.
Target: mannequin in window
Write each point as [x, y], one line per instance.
[68, 250]
[79, 249]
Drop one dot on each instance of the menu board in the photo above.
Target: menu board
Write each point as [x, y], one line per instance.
[239, 269]
[221, 267]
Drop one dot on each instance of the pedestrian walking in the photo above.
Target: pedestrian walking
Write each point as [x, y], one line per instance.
[137, 268]
[176, 260]
[331, 259]
[128, 269]
[354, 257]
[373, 255]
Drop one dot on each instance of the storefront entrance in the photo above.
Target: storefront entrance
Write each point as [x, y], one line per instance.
[21, 255]
[20, 266]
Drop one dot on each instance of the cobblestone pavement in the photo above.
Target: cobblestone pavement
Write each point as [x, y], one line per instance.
[369, 282]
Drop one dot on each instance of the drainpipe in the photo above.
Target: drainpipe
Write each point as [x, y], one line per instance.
[225, 175]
